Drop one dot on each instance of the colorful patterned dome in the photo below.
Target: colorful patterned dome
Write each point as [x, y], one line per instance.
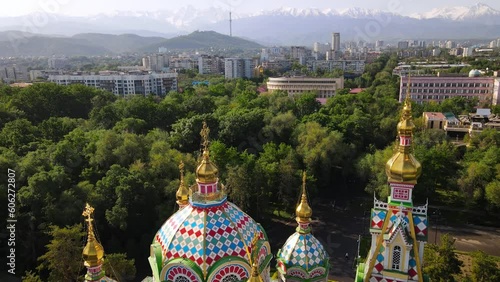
[303, 258]
[210, 239]
[207, 239]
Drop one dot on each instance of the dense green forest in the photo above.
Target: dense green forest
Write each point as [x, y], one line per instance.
[72, 144]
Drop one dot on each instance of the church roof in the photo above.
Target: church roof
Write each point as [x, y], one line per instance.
[205, 235]
[303, 250]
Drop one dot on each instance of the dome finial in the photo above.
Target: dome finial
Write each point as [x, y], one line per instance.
[182, 194]
[303, 211]
[407, 103]
[205, 132]
[93, 251]
[207, 171]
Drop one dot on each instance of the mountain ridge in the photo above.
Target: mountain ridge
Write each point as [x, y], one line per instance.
[16, 43]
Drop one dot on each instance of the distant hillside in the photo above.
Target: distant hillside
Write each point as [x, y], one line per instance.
[15, 34]
[48, 46]
[119, 43]
[17, 43]
[204, 39]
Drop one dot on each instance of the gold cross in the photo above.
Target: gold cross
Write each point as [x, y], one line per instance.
[181, 167]
[87, 212]
[205, 131]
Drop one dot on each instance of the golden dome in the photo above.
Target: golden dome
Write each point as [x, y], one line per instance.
[403, 166]
[182, 193]
[206, 172]
[93, 252]
[303, 211]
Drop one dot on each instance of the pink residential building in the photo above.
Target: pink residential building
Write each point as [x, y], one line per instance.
[435, 88]
[434, 120]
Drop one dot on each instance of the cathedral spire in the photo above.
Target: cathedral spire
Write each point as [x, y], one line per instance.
[182, 194]
[93, 252]
[403, 169]
[303, 211]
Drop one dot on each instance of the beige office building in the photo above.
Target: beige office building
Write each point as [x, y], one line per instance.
[324, 87]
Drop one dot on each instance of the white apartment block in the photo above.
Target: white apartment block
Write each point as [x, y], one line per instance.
[124, 84]
[238, 68]
[324, 87]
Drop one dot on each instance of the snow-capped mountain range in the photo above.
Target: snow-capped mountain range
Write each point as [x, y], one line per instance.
[190, 17]
[280, 26]
[477, 12]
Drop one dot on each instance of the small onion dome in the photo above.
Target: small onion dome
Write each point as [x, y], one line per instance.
[403, 167]
[303, 211]
[93, 252]
[207, 171]
[405, 125]
[182, 193]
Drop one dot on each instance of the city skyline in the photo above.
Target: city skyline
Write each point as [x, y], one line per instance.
[93, 7]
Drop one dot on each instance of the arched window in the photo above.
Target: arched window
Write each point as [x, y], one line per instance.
[396, 258]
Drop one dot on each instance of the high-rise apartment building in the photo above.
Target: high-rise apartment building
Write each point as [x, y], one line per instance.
[336, 42]
[238, 68]
[155, 62]
[403, 45]
[210, 64]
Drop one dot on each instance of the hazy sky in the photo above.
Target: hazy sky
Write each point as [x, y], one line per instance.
[90, 7]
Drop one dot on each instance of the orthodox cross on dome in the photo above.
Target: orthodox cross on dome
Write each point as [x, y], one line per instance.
[87, 212]
[205, 131]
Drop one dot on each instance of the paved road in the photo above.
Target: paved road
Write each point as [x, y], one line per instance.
[470, 238]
